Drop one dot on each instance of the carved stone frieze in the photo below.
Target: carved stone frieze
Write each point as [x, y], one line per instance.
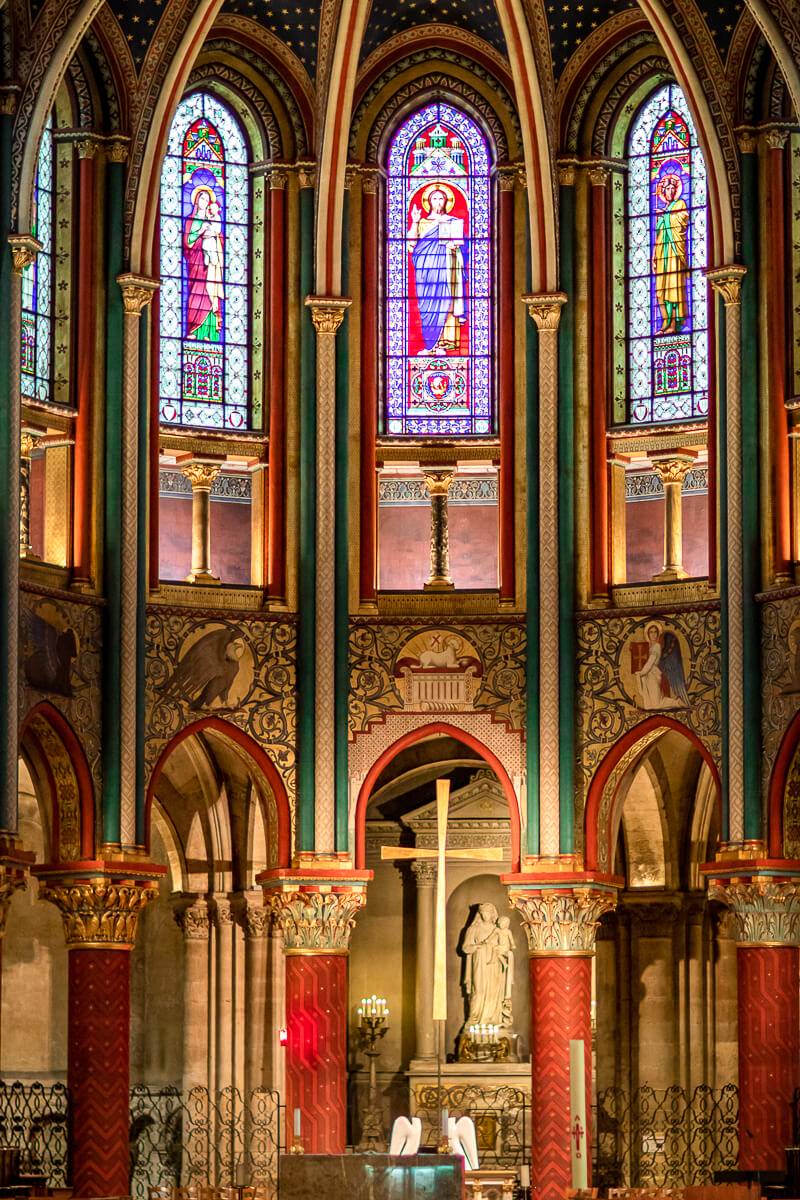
[317, 921]
[99, 912]
[765, 909]
[563, 921]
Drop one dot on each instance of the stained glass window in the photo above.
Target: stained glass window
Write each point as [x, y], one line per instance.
[667, 288]
[205, 199]
[438, 278]
[36, 355]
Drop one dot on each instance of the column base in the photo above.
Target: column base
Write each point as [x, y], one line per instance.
[669, 574]
[438, 585]
[203, 577]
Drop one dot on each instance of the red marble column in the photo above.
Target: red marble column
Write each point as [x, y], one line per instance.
[561, 1000]
[600, 375]
[84, 368]
[316, 1050]
[369, 387]
[276, 523]
[769, 1053]
[506, 389]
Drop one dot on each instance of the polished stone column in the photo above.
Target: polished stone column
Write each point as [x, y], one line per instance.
[100, 915]
[766, 911]
[201, 476]
[560, 924]
[193, 920]
[425, 873]
[316, 913]
[224, 929]
[257, 1027]
[672, 469]
[438, 483]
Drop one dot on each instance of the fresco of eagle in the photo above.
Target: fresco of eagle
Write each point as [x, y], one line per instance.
[208, 669]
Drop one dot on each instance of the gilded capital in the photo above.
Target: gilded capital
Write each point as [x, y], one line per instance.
[776, 139]
[370, 180]
[765, 909]
[317, 921]
[27, 443]
[748, 143]
[563, 921]
[566, 174]
[327, 312]
[117, 151]
[599, 176]
[277, 179]
[307, 174]
[201, 475]
[672, 467]
[438, 481]
[88, 148]
[24, 248]
[8, 101]
[507, 178]
[137, 291]
[545, 309]
[727, 282]
[99, 913]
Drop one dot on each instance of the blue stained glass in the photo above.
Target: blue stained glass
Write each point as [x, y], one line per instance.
[36, 357]
[667, 290]
[438, 315]
[204, 310]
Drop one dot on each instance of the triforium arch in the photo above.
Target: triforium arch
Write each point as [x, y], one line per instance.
[62, 780]
[783, 826]
[442, 729]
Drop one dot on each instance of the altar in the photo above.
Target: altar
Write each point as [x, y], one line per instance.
[371, 1177]
[496, 1095]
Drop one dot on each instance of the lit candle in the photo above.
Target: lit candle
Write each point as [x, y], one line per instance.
[445, 1122]
[297, 1122]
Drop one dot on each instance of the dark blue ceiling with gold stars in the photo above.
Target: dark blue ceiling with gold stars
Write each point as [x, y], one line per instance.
[138, 20]
[571, 22]
[389, 17]
[295, 23]
[722, 17]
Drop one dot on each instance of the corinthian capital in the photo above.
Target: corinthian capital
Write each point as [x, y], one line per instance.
[192, 919]
[327, 312]
[99, 913]
[137, 291]
[545, 309]
[765, 909]
[317, 921]
[727, 282]
[24, 249]
[563, 920]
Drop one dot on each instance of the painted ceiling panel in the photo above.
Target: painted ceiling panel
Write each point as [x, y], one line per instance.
[295, 24]
[721, 16]
[571, 22]
[139, 20]
[389, 17]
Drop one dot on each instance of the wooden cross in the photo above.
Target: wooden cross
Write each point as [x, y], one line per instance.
[441, 854]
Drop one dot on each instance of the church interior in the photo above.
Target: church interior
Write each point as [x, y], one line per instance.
[472, 834]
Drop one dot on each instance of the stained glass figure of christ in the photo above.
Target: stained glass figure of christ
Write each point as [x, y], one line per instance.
[667, 302]
[438, 278]
[203, 366]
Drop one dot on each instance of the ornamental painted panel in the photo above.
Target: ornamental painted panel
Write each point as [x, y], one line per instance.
[780, 673]
[204, 299]
[666, 260]
[438, 331]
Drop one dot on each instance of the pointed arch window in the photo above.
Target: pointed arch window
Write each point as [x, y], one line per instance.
[36, 350]
[204, 358]
[667, 307]
[438, 298]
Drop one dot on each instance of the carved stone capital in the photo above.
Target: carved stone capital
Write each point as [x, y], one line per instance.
[672, 467]
[508, 178]
[566, 174]
[747, 141]
[87, 147]
[438, 482]
[599, 176]
[137, 291]
[424, 870]
[27, 443]
[766, 909]
[117, 151]
[8, 100]
[776, 139]
[327, 312]
[99, 913]
[319, 920]
[223, 912]
[192, 920]
[370, 180]
[307, 174]
[256, 920]
[563, 920]
[727, 282]
[201, 475]
[24, 249]
[14, 871]
[277, 179]
[545, 309]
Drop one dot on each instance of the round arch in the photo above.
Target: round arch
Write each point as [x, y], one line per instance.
[418, 735]
[623, 754]
[776, 796]
[260, 760]
[50, 745]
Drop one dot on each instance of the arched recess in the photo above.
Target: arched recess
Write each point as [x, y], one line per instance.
[63, 783]
[417, 735]
[260, 766]
[776, 34]
[785, 770]
[600, 825]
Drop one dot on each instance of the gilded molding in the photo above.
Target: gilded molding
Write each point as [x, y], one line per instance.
[137, 292]
[560, 921]
[24, 249]
[765, 909]
[99, 913]
[318, 922]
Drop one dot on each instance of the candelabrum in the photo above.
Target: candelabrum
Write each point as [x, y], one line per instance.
[373, 1022]
[483, 1043]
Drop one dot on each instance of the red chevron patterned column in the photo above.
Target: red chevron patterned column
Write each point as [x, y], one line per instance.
[561, 924]
[316, 910]
[766, 908]
[100, 915]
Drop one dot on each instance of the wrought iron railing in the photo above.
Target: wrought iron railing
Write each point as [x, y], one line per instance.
[34, 1117]
[669, 1138]
[221, 1139]
[499, 1114]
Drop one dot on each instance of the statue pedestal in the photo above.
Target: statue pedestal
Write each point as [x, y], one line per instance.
[496, 1095]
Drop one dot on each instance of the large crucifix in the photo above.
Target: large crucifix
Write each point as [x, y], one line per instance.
[441, 854]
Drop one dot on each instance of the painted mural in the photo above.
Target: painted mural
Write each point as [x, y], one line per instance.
[780, 669]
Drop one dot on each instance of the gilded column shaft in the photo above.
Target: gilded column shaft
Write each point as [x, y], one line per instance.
[201, 476]
[672, 469]
[327, 314]
[137, 292]
[546, 312]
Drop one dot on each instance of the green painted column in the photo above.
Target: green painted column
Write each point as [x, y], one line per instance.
[308, 529]
[145, 335]
[722, 433]
[566, 528]
[754, 822]
[115, 187]
[341, 620]
[532, 581]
